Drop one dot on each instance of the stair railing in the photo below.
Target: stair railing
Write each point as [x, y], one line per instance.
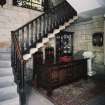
[28, 35]
[18, 65]
[33, 32]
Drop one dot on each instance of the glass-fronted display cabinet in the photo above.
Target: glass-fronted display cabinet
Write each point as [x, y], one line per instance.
[64, 44]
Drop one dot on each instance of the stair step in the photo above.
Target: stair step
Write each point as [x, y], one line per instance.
[33, 50]
[5, 56]
[8, 92]
[6, 72]
[7, 50]
[39, 45]
[6, 81]
[5, 64]
[26, 56]
[51, 35]
[61, 28]
[45, 40]
[13, 101]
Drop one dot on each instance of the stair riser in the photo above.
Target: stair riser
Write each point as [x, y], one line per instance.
[6, 72]
[5, 50]
[6, 81]
[5, 56]
[5, 64]
[8, 93]
[6, 84]
[14, 101]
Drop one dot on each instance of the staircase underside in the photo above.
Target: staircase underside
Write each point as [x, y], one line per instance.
[46, 40]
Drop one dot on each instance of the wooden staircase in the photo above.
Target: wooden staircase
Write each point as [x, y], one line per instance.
[27, 56]
[27, 39]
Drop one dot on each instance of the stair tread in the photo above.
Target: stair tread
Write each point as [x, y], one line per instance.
[5, 56]
[5, 72]
[8, 92]
[14, 86]
[4, 85]
[6, 81]
[12, 101]
[5, 64]
[6, 77]
[6, 50]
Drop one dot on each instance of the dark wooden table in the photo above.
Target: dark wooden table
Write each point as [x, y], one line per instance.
[50, 76]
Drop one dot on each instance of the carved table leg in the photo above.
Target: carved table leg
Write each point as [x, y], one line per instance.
[49, 92]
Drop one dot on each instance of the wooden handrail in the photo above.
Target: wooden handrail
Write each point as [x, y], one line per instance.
[18, 64]
[18, 50]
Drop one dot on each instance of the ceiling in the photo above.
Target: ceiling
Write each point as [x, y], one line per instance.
[88, 8]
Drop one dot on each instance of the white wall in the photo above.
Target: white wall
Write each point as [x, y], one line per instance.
[83, 32]
[11, 18]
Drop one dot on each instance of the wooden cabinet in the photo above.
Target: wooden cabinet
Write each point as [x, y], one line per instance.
[55, 75]
[64, 44]
[49, 55]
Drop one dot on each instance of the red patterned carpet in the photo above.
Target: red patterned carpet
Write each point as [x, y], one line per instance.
[77, 93]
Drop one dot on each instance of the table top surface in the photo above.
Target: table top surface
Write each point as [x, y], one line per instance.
[71, 60]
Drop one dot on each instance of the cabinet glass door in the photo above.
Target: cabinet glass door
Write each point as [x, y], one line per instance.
[64, 44]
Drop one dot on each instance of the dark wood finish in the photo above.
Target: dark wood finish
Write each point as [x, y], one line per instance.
[37, 60]
[55, 75]
[49, 55]
[2, 2]
[64, 44]
[18, 66]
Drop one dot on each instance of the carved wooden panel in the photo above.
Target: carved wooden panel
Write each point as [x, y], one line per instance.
[54, 75]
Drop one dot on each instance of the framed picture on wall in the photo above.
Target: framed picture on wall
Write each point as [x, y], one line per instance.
[97, 39]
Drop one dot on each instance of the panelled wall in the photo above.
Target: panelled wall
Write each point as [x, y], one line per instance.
[83, 37]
